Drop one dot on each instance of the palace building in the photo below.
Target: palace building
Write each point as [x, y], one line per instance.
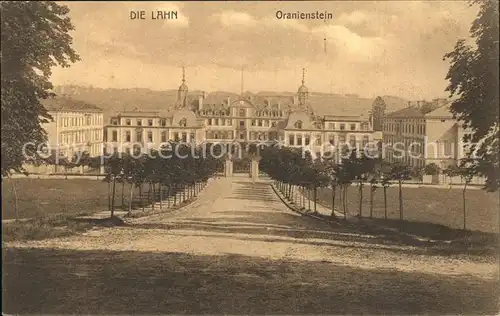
[426, 132]
[247, 118]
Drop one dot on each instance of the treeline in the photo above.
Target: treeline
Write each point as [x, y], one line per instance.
[295, 171]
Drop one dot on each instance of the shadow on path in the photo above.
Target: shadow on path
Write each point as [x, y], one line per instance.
[107, 282]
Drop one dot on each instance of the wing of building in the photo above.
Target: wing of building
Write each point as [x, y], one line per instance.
[424, 133]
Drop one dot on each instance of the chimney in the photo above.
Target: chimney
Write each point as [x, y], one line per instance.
[409, 104]
[228, 101]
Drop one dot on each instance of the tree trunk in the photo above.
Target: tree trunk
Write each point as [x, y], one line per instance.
[113, 198]
[175, 194]
[131, 198]
[140, 196]
[309, 198]
[344, 202]
[168, 196]
[315, 194]
[371, 201]
[463, 201]
[345, 199]
[334, 192]
[401, 201]
[109, 195]
[151, 195]
[385, 202]
[123, 194]
[360, 199]
[14, 191]
[161, 197]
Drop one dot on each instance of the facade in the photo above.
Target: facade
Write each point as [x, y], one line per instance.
[246, 118]
[76, 126]
[433, 137]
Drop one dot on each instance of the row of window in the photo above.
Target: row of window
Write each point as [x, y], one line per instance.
[139, 122]
[149, 136]
[296, 140]
[404, 127]
[332, 126]
[81, 136]
[86, 120]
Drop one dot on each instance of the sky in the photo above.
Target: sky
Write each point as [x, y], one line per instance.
[371, 48]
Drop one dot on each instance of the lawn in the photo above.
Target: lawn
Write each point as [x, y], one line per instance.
[41, 197]
[433, 205]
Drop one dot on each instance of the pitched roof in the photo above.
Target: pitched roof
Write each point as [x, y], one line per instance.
[412, 111]
[442, 111]
[68, 104]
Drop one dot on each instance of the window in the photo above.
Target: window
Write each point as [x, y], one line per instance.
[291, 140]
[128, 122]
[150, 137]
[176, 136]
[318, 140]
[299, 140]
[114, 136]
[254, 122]
[163, 122]
[332, 125]
[307, 140]
[184, 137]
[353, 127]
[163, 136]
[242, 123]
[447, 148]
[260, 122]
[352, 141]
[209, 121]
[298, 125]
[273, 124]
[242, 136]
[139, 122]
[113, 121]
[228, 122]
[242, 112]
[128, 137]
[192, 137]
[341, 139]
[183, 122]
[89, 120]
[342, 127]
[138, 136]
[364, 126]
[366, 139]
[150, 122]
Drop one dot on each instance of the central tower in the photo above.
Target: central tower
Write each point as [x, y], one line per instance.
[303, 92]
[183, 91]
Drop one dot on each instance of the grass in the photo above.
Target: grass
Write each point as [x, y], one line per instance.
[52, 227]
[428, 205]
[46, 197]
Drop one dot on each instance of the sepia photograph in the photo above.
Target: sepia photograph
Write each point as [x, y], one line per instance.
[250, 158]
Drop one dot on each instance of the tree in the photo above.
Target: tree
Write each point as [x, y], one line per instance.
[474, 79]
[431, 169]
[401, 172]
[35, 38]
[378, 113]
[385, 180]
[466, 172]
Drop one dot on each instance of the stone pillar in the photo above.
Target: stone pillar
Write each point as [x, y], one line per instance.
[254, 168]
[228, 168]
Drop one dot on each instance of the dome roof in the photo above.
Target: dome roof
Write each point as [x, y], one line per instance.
[303, 89]
[183, 87]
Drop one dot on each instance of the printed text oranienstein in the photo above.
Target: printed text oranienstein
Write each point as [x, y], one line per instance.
[281, 15]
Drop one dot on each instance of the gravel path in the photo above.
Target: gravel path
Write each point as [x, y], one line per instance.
[240, 228]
